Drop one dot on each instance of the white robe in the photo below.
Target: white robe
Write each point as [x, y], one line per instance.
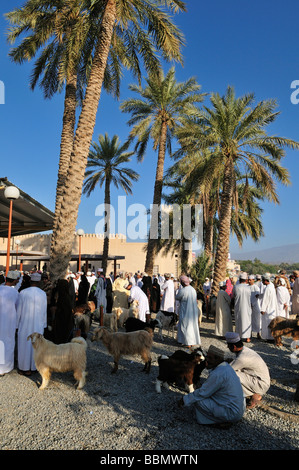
[8, 325]
[220, 398]
[137, 294]
[188, 329]
[255, 308]
[242, 307]
[252, 371]
[223, 319]
[32, 317]
[262, 290]
[167, 302]
[269, 306]
[283, 299]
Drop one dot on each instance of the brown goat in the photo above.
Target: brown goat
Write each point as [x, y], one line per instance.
[281, 326]
[120, 343]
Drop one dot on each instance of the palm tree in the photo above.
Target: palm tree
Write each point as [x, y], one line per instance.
[163, 105]
[105, 166]
[172, 243]
[235, 130]
[114, 36]
[150, 30]
[60, 30]
[187, 173]
[185, 176]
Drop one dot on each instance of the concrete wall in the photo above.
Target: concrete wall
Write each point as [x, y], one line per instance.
[93, 244]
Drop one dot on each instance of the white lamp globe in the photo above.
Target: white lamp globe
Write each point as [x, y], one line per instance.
[11, 192]
[80, 232]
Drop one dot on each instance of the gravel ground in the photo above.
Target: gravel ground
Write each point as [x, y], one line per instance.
[123, 412]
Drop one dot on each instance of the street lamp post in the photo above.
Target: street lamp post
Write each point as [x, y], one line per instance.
[11, 193]
[80, 233]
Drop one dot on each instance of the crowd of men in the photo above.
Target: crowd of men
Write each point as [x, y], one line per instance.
[29, 303]
[254, 300]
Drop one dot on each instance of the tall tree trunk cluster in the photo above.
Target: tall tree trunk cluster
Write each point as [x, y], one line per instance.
[151, 246]
[66, 217]
[222, 251]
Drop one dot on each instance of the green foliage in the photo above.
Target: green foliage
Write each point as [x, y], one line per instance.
[201, 269]
[257, 267]
[106, 163]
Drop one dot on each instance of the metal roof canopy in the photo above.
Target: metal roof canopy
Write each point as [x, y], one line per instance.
[84, 257]
[44, 257]
[28, 215]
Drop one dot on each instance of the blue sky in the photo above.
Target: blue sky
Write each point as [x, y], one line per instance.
[252, 46]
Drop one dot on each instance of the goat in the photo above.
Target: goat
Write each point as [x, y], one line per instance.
[82, 322]
[167, 320]
[109, 319]
[281, 326]
[88, 306]
[181, 369]
[121, 343]
[135, 324]
[124, 313]
[50, 357]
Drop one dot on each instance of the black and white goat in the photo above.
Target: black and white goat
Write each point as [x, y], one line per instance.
[168, 320]
[181, 368]
[135, 324]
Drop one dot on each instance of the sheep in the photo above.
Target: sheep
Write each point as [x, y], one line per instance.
[181, 369]
[109, 319]
[121, 343]
[167, 320]
[124, 313]
[134, 324]
[281, 326]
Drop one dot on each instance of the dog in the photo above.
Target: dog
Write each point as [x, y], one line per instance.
[50, 357]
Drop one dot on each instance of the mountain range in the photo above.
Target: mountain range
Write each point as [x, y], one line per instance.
[276, 255]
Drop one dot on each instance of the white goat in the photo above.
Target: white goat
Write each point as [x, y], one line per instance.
[124, 313]
[121, 343]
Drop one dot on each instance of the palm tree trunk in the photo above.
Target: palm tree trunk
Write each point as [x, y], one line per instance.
[107, 226]
[67, 140]
[63, 236]
[222, 250]
[185, 255]
[209, 234]
[151, 246]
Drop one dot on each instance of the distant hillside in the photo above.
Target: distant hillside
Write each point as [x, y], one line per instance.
[279, 254]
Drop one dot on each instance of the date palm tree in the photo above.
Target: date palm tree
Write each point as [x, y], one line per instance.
[105, 166]
[235, 129]
[58, 30]
[161, 108]
[185, 177]
[115, 34]
[149, 30]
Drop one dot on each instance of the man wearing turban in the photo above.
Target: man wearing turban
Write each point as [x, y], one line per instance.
[188, 328]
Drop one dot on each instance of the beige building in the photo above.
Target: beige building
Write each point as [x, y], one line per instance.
[26, 246]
